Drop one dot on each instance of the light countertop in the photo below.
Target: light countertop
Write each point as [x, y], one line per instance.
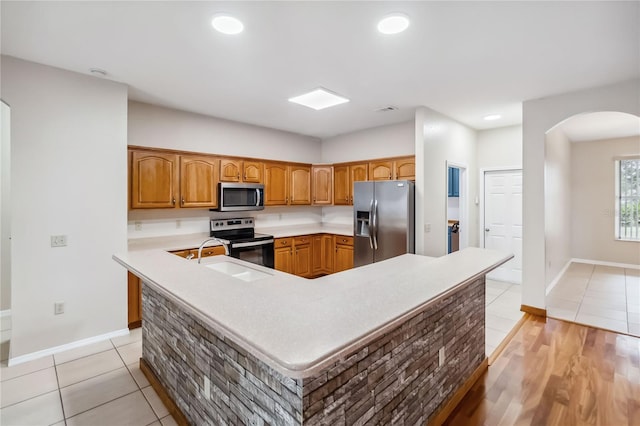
[300, 326]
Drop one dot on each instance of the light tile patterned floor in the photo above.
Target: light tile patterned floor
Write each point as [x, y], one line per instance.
[101, 384]
[503, 302]
[600, 296]
[98, 384]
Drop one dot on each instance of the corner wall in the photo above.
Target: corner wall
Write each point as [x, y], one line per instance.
[69, 168]
[445, 140]
[557, 201]
[539, 116]
[592, 201]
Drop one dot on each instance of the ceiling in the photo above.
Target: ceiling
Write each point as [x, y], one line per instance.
[463, 59]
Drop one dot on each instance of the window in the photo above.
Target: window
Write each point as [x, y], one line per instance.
[628, 199]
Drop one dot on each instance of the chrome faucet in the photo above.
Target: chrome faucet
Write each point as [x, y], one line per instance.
[224, 243]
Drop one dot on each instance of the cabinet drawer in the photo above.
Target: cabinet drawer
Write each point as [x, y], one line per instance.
[283, 242]
[348, 241]
[301, 240]
[210, 251]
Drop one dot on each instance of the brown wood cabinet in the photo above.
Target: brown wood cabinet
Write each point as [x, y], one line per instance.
[321, 185]
[154, 180]
[198, 181]
[283, 255]
[343, 178]
[405, 168]
[252, 171]
[237, 170]
[287, 184]
[206, 252]
[134, 296]
[343, 255]
[276, 184]
[381, 170]
[322, 249]
[299, 185]
[302, 259]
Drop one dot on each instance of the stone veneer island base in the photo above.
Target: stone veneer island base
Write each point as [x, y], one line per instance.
[393, 379]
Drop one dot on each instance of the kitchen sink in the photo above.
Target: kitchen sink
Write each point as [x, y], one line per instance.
[238, 271]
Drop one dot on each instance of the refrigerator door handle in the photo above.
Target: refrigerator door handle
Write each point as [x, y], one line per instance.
[371, 225]
[375, 225]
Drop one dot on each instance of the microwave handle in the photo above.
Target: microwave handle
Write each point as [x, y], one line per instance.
[258, 197]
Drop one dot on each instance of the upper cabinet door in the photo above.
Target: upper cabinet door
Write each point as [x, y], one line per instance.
[154, 180]
[405, 168]
[341, 185]
[230, 170]
[252, 171]
[276, 184]
[321, 186]
[381, 170]
[198, 181]
[358, 173]
[300, 184]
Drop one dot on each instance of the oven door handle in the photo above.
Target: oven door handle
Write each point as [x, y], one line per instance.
[251, 244]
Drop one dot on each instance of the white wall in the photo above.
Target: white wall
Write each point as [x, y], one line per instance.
[501, 147]
[378, 142]
[69, 177]
[445, 141]
[539, 116]
[557, 203]
[160, 127]
[5, 208]
[592, 201]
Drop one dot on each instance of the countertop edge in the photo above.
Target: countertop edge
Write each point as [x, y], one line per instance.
[301, 371]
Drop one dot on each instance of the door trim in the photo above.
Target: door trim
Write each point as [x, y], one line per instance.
[483, 171]
[464, 202]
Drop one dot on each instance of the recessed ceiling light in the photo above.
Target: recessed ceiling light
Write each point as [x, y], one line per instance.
[492, 117]
[394, 23]
[227, 24]
[319, 99]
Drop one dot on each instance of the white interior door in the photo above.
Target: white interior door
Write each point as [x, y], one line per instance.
[503, 220]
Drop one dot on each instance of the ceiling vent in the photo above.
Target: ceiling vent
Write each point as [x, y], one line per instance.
[387, 109]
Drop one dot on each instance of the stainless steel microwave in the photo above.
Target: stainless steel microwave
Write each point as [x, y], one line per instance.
[240, 196]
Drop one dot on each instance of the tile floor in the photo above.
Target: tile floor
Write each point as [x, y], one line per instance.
[503, 302]
[600, 296]
[101, 384]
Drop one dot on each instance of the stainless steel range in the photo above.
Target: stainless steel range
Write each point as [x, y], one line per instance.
[244, 243]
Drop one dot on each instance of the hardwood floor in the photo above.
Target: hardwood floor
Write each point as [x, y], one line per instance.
[557, 373]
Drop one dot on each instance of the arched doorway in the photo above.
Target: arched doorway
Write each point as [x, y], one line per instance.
[591, 275]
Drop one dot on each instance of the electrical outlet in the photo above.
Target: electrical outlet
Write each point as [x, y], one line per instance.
[441, 357]
[138, 226]
[58, 308]
[178, 223]
[427, 227]
[58, 240]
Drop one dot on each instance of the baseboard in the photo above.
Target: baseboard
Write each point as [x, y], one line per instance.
[5, 313]
[56, 349]
[173, 408]
[556, 280]
[534, 311]
[453, 402]
[603, 263]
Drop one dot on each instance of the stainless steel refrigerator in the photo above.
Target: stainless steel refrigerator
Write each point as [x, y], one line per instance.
[383, 220]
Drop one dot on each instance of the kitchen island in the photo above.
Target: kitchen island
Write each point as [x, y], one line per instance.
[390, 341]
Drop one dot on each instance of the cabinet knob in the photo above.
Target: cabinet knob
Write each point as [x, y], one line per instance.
[182, 201]
[173, 201]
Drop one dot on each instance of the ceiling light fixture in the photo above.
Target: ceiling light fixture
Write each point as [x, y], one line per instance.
[318, 99]
[227, 24]
[393, 23]
[492, 117]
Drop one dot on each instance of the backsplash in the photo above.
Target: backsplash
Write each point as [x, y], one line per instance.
[156, 223]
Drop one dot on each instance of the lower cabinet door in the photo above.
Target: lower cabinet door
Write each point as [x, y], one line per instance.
[282, 259]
